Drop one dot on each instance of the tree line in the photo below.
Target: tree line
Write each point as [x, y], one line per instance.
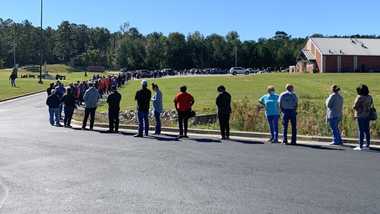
[81, 46]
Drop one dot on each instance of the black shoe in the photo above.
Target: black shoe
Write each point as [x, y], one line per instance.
[138, 135]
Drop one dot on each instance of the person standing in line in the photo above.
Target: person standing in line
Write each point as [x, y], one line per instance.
[288, 102]
[183, 103]
[113, 101]
[272, 112]
[223, 102]
[362, 107]
[157, 107]
[50, 89]
[142, 98]
[60, 91]
[53, 103]
[69, 106]
[91, 98]
[334, 105]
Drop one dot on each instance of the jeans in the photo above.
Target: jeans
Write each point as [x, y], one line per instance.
[224, 123]
[183, 121]
[54, 116]
[364, 131]
[143, 122]
[113, 118]
[68, 115]
[89, 112]
[289, 115]
[157, 116]
[13, 82]
[273, 125]
[60, 110]
[334, 125]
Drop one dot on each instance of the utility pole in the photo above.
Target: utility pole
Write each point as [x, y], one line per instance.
[236, 56]
[14, 45]
[41, 45]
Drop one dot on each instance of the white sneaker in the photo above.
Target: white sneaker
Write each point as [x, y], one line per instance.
[357, 148]
[366, 148]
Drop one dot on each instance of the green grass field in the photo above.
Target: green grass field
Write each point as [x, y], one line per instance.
[25, 86]
[311, 87]
[312, 90]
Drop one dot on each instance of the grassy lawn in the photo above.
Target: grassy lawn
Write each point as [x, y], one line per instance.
[311, 87]
[312, 90]
[25, 86]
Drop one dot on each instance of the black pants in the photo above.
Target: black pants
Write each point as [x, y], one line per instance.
[69, 111]
[113, 118]
[224, 122]
[183, 121]
[89, 112]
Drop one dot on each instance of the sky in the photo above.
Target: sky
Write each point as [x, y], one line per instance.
[252, 19]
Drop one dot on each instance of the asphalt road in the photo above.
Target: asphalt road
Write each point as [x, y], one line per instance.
[45, 169]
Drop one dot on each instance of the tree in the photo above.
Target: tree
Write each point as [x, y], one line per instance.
[176, 51]
[155, 51]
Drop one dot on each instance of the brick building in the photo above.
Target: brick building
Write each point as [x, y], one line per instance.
[339, 55]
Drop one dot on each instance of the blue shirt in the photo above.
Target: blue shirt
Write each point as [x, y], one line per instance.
[270, 102]
[157, 102]
[288, 101]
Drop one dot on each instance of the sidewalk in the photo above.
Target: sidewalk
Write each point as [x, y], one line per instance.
[255, 138]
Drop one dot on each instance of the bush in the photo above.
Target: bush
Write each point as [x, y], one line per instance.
[249, 116]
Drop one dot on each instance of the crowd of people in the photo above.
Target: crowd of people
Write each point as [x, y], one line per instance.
[285, 105]
[86, 93]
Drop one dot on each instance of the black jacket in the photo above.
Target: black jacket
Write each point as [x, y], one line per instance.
[113, 101]
[223, 102]
[69, 100]
[53, 101]
[143, 97]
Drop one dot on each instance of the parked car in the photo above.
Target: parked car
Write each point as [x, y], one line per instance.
[238, 70]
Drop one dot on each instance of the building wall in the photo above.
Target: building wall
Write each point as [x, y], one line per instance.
[369, 63]
[331, 63]
[347, 63]
[318, 58]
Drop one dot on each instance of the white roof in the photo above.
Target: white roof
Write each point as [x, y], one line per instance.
[348, 46]
[308, 54]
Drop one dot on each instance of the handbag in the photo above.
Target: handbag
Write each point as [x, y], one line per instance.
[372, 113]
[192, 114]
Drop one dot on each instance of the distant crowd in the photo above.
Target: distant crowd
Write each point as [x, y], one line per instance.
[283, 106]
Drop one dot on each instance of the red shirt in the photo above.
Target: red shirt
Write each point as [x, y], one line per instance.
[184, 101]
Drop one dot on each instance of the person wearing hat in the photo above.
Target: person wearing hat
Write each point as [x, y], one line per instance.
[288, 102]
[113, 101]
[142, 98]
[334, 105]
[223, 102]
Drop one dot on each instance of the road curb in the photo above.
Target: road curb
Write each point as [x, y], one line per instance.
[244, 134]
[21, 96]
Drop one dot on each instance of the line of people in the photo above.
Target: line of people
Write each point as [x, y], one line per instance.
[285, 104]
[87, 92]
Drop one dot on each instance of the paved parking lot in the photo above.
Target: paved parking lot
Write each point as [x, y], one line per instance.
[44, 169]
